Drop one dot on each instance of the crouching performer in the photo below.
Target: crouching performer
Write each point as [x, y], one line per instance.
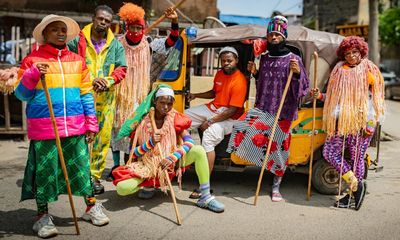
[146, 166]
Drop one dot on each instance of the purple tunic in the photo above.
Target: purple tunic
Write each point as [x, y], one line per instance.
[271, 82]
[98, 45]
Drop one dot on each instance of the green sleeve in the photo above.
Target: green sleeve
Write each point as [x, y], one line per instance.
[73, 45]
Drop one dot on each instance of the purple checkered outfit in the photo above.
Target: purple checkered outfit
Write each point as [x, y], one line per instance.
[356, 145]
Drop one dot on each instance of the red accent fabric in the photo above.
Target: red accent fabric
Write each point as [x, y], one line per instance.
[286, 143]
[238, 139]
[181, 122]
[119, 74]
[259, 46]
[261, 126]
[259, 140]
[135, 37]
[140, 22]
[122, 173]
[279, 172]
[285, 125]
[251, 121]
[273, 147]
[270, 164]
[241, 118]
[82, 45]
[171, 42]
[132, 134]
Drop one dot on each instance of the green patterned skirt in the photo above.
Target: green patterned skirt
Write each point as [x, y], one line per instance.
[44, 179]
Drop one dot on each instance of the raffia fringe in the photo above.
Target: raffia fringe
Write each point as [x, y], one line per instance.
[346, 104]
[149, 165]
[135, 87]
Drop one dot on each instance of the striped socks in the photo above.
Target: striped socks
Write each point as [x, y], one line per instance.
[205, 192]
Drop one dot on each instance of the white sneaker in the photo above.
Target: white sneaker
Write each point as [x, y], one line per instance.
[45, 227]
[96, 215]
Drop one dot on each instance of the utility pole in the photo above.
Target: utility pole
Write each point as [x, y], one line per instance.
[373, 32]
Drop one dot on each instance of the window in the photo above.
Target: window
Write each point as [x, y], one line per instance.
[172, 69]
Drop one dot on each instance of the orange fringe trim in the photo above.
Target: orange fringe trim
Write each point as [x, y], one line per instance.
[346, 104]
[134, 88]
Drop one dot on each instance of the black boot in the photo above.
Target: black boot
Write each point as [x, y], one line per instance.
[360, 194]
[110, 176]
[98, 188]
[345, 202]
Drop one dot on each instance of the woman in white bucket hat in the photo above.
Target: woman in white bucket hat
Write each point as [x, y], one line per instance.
[67, 79]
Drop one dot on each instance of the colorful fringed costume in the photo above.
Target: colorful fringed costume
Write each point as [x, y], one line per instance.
[147, 162]
[354, 102]
[146, 169]
[139, 58]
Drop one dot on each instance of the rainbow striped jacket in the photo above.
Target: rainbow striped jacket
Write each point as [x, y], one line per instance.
[70, 90]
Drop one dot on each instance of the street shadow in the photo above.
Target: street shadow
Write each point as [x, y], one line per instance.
[114, 203]
[20, 222]
[241, 187]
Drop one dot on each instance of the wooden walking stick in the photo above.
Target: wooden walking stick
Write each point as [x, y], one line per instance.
[272, 135]
[133, 145]
[160, 19]
[154, 126]
[313, 128]
[59, 149]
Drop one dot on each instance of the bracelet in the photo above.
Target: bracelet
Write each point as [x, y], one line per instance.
[210, 121]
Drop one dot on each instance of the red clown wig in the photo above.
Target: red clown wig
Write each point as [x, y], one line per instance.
[132, 14]
[352, 42]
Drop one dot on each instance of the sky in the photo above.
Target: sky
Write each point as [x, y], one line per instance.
[259, 8]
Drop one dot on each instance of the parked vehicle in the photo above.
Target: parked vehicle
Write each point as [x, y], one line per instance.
[392, 83]
[303, 42]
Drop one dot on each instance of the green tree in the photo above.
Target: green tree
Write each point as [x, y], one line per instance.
[389, 26]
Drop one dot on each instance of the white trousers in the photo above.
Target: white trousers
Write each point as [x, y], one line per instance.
[215, 133]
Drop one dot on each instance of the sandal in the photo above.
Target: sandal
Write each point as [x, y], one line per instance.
[276, 197]
[196, 194]
[212, 204]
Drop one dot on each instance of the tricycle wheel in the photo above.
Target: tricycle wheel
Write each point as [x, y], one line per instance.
[325, 178]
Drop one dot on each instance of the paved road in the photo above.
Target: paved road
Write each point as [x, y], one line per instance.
[296, 218]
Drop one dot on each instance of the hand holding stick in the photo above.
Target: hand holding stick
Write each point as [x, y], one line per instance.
[160, 19]
[59, 149]
[313, 128]
[154, 126]
[272, 135]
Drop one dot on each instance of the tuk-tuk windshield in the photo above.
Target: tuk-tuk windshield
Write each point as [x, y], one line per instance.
[171, 71]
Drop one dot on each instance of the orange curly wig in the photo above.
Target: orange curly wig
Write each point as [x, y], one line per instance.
[130, 12]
